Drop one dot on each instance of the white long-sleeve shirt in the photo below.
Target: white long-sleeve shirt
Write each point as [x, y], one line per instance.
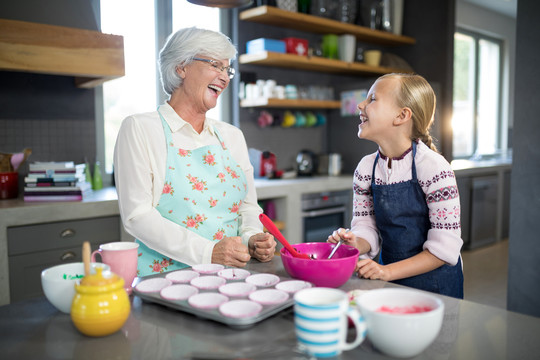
[140, 158]
[438, 182]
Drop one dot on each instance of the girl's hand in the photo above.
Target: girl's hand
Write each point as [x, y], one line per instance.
[344, 235]
[369, 269]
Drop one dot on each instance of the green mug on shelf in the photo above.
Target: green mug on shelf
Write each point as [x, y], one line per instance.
[330, 46]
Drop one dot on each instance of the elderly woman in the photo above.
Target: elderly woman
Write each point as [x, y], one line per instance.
[185, 184]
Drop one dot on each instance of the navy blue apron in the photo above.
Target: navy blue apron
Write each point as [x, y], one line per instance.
[402, 217]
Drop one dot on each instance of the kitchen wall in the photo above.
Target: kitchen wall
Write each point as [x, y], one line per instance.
[524, 245]
[47, 112]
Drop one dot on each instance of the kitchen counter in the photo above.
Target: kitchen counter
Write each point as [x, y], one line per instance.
[35, 329]
[481, 167]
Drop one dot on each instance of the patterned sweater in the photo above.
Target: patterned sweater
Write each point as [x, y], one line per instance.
[438, 182]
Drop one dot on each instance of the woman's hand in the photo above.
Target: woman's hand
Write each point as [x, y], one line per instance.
[231, 252]
[262, 247]
[369, 269]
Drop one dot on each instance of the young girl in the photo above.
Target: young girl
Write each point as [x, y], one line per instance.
[405, 194]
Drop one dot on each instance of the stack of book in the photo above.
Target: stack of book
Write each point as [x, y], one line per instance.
[56, 181]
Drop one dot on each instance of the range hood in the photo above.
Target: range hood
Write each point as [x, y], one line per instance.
[90, 56]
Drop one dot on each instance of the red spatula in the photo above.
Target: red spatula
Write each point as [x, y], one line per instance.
[272, 228]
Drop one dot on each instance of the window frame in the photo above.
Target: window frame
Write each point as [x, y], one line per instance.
[164, 26]
[477, 37]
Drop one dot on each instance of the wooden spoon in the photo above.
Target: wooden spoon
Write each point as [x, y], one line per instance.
[86, 257]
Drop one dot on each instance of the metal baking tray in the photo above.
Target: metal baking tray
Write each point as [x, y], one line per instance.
[214, 314]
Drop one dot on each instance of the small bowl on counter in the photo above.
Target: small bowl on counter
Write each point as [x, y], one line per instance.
[401, 322]
[58, 282]
[321, 271]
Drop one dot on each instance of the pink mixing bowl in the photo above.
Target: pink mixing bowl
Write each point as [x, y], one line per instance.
[321, 271]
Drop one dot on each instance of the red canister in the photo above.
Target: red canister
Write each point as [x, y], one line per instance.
[9, 185]
[296, 46]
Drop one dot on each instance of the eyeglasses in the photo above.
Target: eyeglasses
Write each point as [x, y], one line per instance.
[216, 65]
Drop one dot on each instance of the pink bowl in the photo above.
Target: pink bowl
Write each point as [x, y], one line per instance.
[321, 272]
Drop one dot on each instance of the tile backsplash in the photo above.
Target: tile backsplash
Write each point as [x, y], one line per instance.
[50, 140]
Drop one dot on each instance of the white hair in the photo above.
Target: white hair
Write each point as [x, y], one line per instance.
[185, 44]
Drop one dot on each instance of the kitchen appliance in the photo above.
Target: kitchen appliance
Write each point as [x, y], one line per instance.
[306, 163]
[329, 164]
[324, 212]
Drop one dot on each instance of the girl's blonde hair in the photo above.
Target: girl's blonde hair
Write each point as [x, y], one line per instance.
[416, 94]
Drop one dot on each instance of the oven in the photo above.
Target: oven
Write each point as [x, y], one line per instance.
[324, 212]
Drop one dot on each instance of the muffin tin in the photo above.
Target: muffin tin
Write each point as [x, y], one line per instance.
[245, 297]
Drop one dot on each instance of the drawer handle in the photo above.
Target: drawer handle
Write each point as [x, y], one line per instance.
[70, 255]
[67, 233]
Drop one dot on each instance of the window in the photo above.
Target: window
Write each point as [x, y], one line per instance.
[476, 121]
[139, 90]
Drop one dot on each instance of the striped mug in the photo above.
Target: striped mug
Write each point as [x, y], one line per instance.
[320, 319]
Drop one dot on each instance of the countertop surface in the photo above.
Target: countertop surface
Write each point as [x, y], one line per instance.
[34, 329]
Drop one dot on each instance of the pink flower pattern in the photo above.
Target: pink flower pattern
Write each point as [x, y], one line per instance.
[197, 184]
[219, 235]
[235, 207]
[168, 189]
[193, 221]
[159, 266]
[184, 153]
[209, 159]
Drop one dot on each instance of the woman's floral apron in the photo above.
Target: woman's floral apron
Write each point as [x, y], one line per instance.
[203, 191]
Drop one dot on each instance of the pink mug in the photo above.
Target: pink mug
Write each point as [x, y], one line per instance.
[122, 258]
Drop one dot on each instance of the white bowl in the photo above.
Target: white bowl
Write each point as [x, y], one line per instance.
[58, 282]
[401, 335]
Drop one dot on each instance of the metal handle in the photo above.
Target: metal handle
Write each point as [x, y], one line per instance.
[70, 255]
[321, 212]
[67, 233]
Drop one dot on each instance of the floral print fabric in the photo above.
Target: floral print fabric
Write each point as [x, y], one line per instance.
[203, 191]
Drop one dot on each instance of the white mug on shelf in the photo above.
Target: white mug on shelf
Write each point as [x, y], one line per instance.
[347, 47]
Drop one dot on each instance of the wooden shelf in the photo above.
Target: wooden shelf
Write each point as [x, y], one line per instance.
[271, 15]
[291, 104]
[314, 63]
[90, 56]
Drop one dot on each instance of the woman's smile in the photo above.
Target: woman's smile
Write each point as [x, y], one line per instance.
[216, 89]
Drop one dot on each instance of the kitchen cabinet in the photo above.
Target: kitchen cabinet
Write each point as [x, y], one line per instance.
[90, 56]
[483, 210]
[484, 192]
[33, 248]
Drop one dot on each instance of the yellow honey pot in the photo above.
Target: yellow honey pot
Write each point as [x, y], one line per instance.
[101, 305]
